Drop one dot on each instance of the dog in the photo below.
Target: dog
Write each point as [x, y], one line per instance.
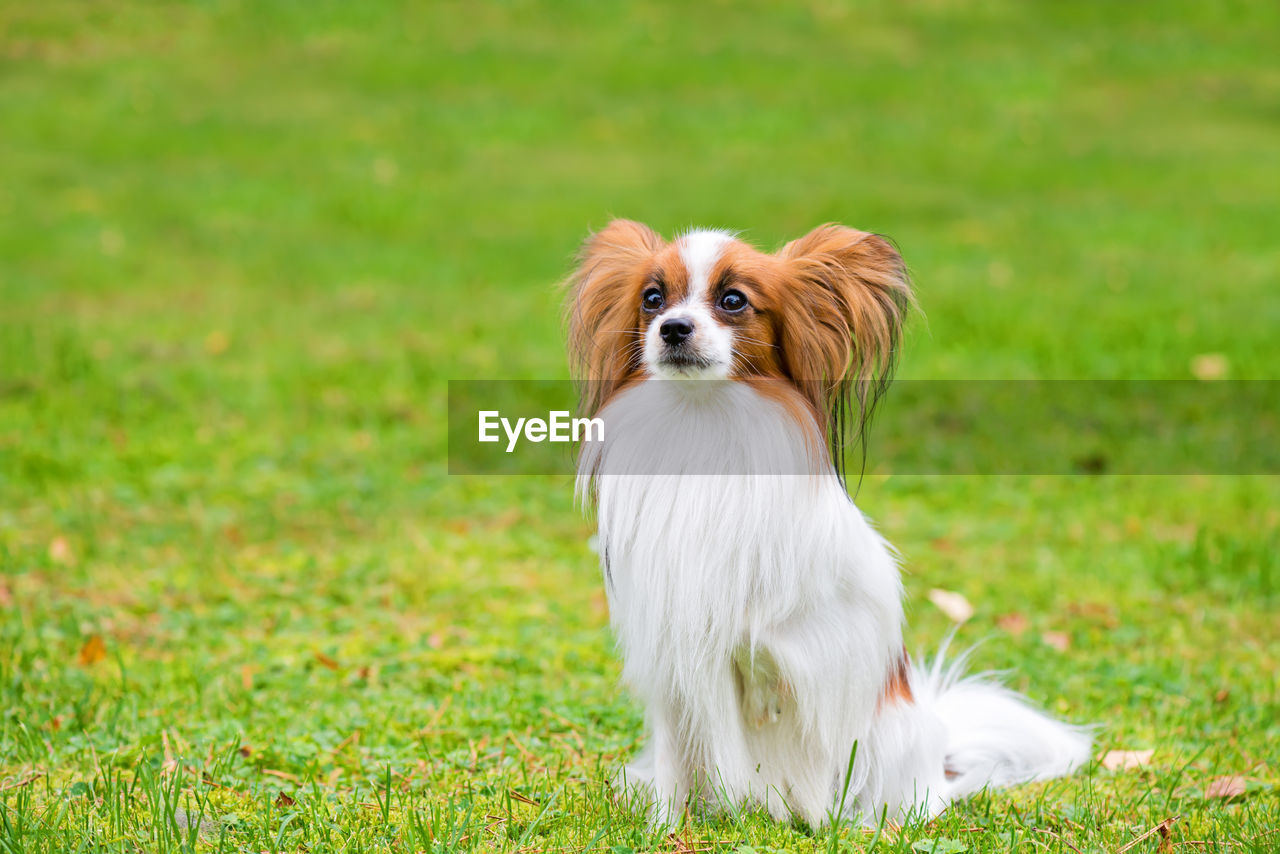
[758, 613]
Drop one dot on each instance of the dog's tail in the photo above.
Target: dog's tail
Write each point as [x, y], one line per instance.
[994, 737]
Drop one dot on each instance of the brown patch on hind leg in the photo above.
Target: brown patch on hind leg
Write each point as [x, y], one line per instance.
[897, 686]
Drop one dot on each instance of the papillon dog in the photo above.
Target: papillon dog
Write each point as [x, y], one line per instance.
[758, 613]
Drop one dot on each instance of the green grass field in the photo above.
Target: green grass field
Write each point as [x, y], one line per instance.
[243, 246]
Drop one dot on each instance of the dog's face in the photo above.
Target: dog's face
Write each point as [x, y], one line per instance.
[705, 310]
[823, 313]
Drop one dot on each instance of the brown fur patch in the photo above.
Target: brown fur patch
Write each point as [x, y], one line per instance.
[605, 334]
[843, 322]
[897, 688]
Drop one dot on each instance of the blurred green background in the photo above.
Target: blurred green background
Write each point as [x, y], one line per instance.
[243, 246]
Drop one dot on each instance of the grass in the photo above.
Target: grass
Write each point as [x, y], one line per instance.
[244, 246]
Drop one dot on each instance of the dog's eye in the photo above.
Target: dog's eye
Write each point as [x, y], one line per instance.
[733, 301]
[652, 300]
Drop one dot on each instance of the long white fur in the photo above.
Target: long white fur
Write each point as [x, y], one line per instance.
[760, 616]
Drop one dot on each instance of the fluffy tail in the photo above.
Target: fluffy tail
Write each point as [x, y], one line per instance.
[994, 736]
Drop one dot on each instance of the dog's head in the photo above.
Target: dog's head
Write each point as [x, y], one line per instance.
[823, 314]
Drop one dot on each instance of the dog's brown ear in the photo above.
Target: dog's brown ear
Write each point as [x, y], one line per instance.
[840, 334]
[603, 307]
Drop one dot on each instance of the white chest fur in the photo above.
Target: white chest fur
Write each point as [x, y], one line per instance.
[720, 529]
[756, 609]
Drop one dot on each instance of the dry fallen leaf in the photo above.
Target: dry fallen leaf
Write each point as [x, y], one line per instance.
[326, 661]
[1058, 640]
[1209, 366]
[953, 604]
[60, 550]
[1119, 760]
[216, 342]
[1015, 624]
[1096, 612]
[1225, 787]
[1222, 696]
[93, 651]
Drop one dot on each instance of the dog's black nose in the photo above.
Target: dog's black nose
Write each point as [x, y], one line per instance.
[675, 330]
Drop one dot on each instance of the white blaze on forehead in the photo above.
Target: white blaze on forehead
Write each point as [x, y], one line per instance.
[699, 250]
